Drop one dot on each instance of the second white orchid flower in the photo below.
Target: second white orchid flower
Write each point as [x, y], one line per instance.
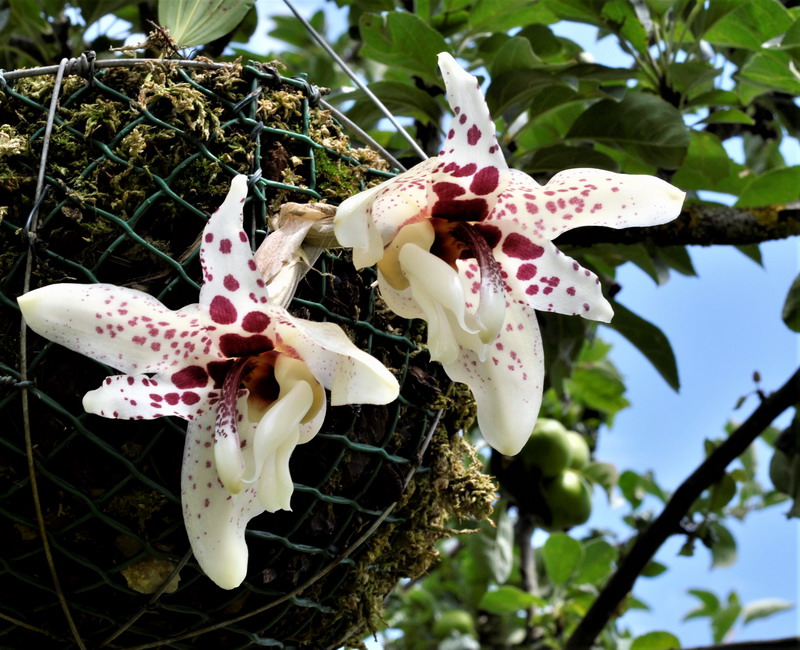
[464, 242]
[248, 376]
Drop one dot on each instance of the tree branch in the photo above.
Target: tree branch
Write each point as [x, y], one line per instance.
[651, 539]
[788, 643]
[702, 225]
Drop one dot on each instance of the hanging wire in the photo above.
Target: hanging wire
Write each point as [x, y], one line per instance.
[349, 72]
[31, 226]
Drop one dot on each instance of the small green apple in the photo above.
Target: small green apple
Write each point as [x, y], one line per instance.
[580, 450]
[459, 621]
[569, 497]
[548, 448]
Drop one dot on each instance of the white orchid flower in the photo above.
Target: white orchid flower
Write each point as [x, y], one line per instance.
[464, 242]
[247, 375]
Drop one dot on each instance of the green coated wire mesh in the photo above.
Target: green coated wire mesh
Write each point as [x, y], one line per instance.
[138, 157]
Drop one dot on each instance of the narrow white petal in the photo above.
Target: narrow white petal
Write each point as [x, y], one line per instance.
[278, 428]
[473, 131]
[215, 519]
[141, 397]
[352, 375]
[587, 197]
[507, 386]
[126, 329]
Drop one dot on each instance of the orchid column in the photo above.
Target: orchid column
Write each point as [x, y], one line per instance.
[464, 242]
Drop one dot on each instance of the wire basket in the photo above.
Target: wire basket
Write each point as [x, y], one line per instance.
[118, 190]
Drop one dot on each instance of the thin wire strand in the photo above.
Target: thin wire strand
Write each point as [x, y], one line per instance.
[361, 133]
[349, 72]
[23, 344]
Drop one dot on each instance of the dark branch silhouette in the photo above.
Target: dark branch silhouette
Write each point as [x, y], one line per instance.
[667, 523]
[703, 225]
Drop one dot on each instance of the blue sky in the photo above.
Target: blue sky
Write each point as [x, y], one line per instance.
[723, 325]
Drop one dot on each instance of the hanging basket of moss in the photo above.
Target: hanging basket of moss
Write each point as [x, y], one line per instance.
[95, 550]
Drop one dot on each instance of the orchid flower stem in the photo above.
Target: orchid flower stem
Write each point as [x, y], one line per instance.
[329, 50]
[650, 540]
[23, 343]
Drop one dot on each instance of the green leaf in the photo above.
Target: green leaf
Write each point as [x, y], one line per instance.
[561, 555]
[709, 607]
[723, 621]
[623, 20]
[649, 340]
[753, 251]
[723, 546]
[721, 493]
[764, 608]
[604, 474]
[517, 87]
[747, 24]
[708, 166]
[630, 484]
[791, 307]
[515, 54]
[655, 641]
[196, 22]
[599, 558]
[729, 116]
[503, 15]
[653, 569]
[599, 386]
[770, 70]
[559, 157]
[771, 188]
[400, 98]
[643, 125]
[387, 39]
[507, 600]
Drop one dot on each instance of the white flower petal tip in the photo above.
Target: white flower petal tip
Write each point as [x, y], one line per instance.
[489, 261]
[248, 376]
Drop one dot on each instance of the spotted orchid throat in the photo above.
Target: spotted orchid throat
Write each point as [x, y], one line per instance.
[465, 243]
[249, 377]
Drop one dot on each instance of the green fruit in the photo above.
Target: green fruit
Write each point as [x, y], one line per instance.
[459, 621]
[548, 448]
[780, 471]
[579, 450]
[569, 497]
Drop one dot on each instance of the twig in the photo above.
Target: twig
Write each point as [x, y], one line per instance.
[651, 539]
[787, 643]
[702, 225]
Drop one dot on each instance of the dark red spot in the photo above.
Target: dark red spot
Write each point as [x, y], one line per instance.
[255, 321]
[491, 234]
[222, 310]
[209, 237]
[190, 377]
[459, 172]
[155, 347]
[190, 398]
[485, 181]
[473, 135]
[450, 134]
[526, 272]
[242, 236]
[172, 398]
[462, 119]
[225, 246]
[571, 291]
[230, 283]
[515, 245]
[139, 340]
[532, 290]
[236, 345]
